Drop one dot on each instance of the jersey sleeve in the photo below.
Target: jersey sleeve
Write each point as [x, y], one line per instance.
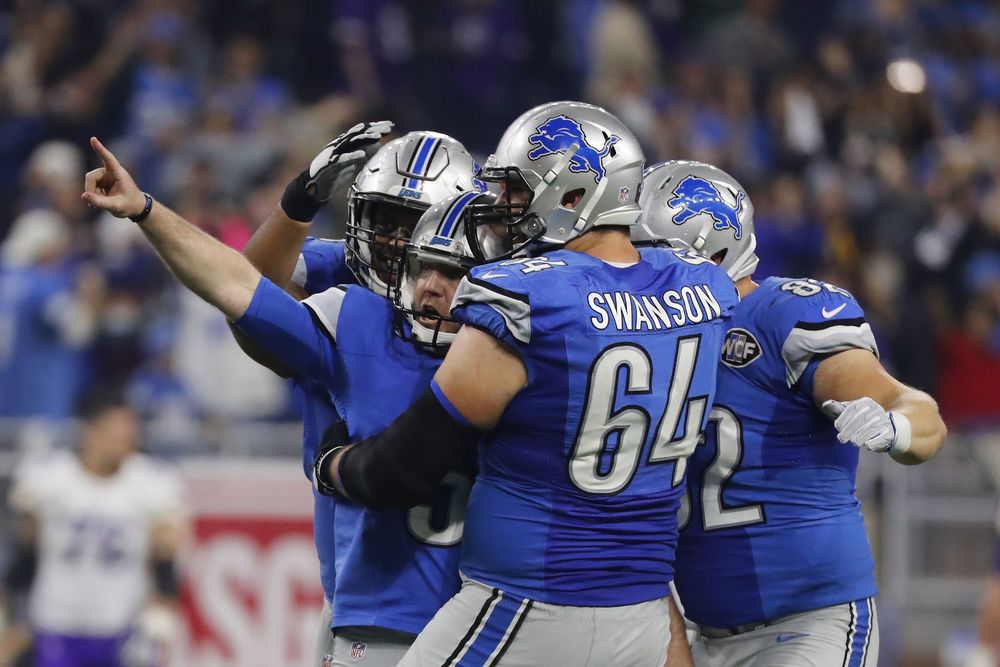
[299, 335]
[30, 488]
[494, 300]
[812, 327]
[164, 493]
[321, 265]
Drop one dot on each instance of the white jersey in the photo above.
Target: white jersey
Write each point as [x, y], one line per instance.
[94, 538]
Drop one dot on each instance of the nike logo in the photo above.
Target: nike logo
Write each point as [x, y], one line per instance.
[830, 313]
[789, 636]
[490, 274]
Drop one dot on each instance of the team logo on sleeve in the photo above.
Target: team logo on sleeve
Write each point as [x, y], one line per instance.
[559, 133]
[740, 348]
[695, 195]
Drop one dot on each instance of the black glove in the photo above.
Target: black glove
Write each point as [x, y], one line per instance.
[337, 164]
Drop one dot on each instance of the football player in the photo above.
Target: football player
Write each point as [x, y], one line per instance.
[402, 563]
[391, 190]
[97, 532]
[773, 563]
[586, 374]
[282, 250]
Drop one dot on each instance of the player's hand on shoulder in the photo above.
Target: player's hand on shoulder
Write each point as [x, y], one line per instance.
[339, 161]
[865, 423]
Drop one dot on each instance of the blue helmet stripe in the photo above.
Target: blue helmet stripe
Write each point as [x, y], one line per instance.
[456, 212]
[424, 150]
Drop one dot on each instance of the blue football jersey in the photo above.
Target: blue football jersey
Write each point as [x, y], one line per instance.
[313, 405]
[396, 567]
[577, 494]
[774, 527]
[322, 265]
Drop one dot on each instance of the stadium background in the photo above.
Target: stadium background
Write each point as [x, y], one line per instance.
[867, 133]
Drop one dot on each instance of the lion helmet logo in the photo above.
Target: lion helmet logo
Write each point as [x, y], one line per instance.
[696, 195]
[559, 133]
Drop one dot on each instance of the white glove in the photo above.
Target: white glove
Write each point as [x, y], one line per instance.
[865, 423]
[153, 637]
[339, 161]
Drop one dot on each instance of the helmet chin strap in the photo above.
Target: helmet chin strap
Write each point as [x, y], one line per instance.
[552, 174]
[746, 263]
[430, 336]
[558, 167]
[378, 286]
[699, 241]
[594, 198]
[376, 283]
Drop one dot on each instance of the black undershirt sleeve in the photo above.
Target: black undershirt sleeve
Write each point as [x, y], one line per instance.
[403, 465]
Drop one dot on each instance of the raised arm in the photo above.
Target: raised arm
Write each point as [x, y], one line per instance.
[873, 409]
[210, 269]
[275, 246]
[274, 249]
[274, 320]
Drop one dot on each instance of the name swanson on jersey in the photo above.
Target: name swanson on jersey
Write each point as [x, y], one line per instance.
[653, 312]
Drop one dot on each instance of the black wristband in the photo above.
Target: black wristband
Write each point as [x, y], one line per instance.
[145, 211]
[297, 203]
[165, 577]
[321, 477]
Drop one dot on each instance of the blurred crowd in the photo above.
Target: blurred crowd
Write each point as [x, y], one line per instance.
[867, 133]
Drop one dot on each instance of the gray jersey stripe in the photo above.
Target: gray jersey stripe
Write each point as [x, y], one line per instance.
[326, 306]
[802, 345]
[515, 312]
[301, 273]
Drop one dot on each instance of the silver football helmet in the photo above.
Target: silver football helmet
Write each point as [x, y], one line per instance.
[550, 153]
[401, 181]
[695, 205]
[439, 239]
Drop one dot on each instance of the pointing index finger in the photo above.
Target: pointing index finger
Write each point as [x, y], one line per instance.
[106, 156]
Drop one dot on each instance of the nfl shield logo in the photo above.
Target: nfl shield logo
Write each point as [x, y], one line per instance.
[623, 193]
[328, 660]
[358, 650]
